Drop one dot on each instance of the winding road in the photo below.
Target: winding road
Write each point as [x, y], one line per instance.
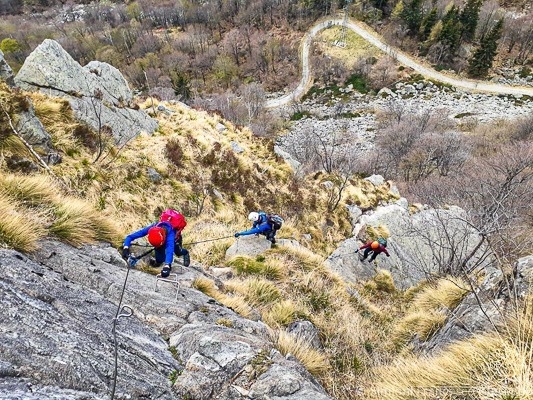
[372, 37]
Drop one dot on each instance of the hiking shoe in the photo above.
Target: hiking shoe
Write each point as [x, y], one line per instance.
[165, 272]
[186, 260]
[152, 262]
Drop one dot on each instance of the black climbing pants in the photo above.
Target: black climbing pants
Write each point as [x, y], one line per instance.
[367, 251]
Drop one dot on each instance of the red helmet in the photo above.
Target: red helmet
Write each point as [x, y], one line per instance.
[374, 245]
[157, 236]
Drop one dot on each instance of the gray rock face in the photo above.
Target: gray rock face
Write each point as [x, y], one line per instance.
[376, 180]
[248, 246]
[473, 316]
[33, 131]
[6, 73]
[418, 244]
[288, 242]
[98, 93]
[58, 335]
[236, 147]
[355, 213]
[56, 338]
[289, 159]
[153, 175]
[307, 331]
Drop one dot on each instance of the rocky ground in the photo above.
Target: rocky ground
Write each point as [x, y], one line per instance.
[355, 114]
[56, 342]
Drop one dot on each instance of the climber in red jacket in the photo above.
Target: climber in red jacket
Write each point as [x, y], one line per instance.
[375, 246]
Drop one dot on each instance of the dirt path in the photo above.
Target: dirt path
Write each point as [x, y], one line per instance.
[372, 37]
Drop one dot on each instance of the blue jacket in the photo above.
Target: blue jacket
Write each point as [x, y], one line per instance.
[259, 226]
[169, 244]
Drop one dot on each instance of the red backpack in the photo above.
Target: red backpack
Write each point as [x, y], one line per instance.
[174, 218]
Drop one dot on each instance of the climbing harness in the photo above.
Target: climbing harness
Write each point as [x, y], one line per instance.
[122, 312]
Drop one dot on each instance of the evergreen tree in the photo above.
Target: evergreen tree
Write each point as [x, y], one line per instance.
[469, 18]
[412, 15]
[452, 30]
[483, 58]
[428, 23]
[397, 12]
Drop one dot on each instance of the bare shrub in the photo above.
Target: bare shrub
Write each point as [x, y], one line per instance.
[383, 73]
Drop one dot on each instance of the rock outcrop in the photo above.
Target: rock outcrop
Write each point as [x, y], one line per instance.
[98, 93]
[496, 297]
[248, 246]
[56, 340]
[6, 73]
[418, 244]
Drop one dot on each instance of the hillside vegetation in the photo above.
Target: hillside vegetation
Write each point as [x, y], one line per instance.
[365, 329]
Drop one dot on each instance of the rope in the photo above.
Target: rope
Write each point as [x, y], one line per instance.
[188, 244]
[122, 312]
[209, 240]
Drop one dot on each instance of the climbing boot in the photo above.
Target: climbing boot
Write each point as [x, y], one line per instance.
[165, 272]
[186, 260]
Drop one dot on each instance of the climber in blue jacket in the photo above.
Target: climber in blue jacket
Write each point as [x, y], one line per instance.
[262, 225]
[166, 240]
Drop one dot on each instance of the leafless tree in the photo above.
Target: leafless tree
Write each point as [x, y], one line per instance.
[253, 98]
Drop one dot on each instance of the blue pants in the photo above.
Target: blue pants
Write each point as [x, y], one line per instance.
[160, 254]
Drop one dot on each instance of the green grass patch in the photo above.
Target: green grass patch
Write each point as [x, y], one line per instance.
[359, 83]
[299, 115]
[463, 115]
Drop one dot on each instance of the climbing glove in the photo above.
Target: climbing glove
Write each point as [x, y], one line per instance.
[165, 272]
[125, 253]
[237, 234]
[356, 251]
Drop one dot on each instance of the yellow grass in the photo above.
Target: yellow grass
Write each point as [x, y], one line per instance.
[76, 222]
[447, 292]
[29, 190]
[429, 309]
[314, 361]
[486, 366]
[356, 47]
[19, 229]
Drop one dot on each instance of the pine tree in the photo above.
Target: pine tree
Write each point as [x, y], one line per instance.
[483, 58]
[397, 12]
[452, 30]
[427, 24]
[469, 18]
[412, 15]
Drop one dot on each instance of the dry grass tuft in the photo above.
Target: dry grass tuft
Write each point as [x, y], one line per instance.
[257, 292]
[204, 285]
[19, 229]
[29, 190]
[76, 223]
[314, 361]
[446, 293]
[384, 281]
[429, 309]
[487, 366]
[283, 313]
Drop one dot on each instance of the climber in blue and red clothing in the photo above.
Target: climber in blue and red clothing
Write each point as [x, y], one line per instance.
[264, 224]
[166, 238]
[375, 246]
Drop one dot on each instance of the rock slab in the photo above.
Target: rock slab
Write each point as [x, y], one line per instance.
[6, 73]
[248, 246]
[418, 244]
[98, 93]
[56, 342]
